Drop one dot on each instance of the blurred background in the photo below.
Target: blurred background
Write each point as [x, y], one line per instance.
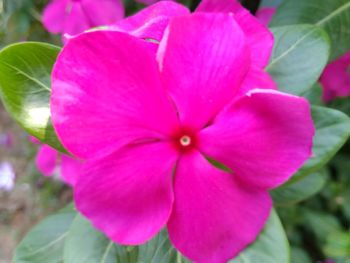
[318, 229]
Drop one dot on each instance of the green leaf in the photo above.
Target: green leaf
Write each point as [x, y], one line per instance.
[314, 95]
[338, 245]
[292, 193]
[270, 247]
[270, 3]
[85, 244]
[332, 15]
[44, 243]
[300, 256]
[25, 72]
[332, 131]
[321, 224]
[299, 57]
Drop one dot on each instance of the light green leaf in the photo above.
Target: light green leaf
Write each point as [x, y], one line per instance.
[297, 191]
[332, 15]
[44, 243]
[25, 71]
[85, 244]
[270, 247]
[332, 131]
[299, 57]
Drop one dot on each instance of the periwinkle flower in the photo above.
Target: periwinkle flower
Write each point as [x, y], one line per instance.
[336, 78]
[146, 119]
[49, 161]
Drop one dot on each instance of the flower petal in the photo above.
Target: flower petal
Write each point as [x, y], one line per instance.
[128, 195]
[199, 67]
[54, 15]
[214, 217]
[70, 169]
[260, 39]
[103, 12]
[151, 22]
[225, 6]
[46, 160]
[76, 20]
[105, 96]
[257, 78]
[264, 137]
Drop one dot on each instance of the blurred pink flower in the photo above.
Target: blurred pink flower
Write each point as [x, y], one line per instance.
[150, 2]
[7, 176]
[336, 78]
[6, 140]
[146, 118]
[265, 15]
[75, 16]
[48, 160]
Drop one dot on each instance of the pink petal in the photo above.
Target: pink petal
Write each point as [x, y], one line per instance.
[214, 217]
[265, 15]
[46, 160]
[103, 12]
[54, 15]
[257, 78]
[129, 195]
[336, 78]
[105, 96]
[260, 39]
[264, 137]
[70, 169]
[201, 73]
[225, 6]
[76, 20]
[150, 2]
[151, 22]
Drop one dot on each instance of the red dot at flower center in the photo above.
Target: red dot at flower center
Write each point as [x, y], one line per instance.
[185, 140]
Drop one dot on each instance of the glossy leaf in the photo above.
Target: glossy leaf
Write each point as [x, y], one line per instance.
[299, 57]
[270, 247]
[332, 131]
[25, 70]
[85, 244]
[331, 15]
[45, 242]
[297, 191]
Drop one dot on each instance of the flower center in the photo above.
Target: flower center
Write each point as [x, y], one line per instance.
[185, 140]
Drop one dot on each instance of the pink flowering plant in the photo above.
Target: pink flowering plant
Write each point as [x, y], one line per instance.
[179, 131]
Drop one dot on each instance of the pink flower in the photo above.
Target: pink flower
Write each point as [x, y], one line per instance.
[265, 15]
[147, 126]
[75, 16]
[6, 140]
[336, 78]
[48, 160]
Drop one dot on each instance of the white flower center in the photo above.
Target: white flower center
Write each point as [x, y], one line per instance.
[185, 140]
